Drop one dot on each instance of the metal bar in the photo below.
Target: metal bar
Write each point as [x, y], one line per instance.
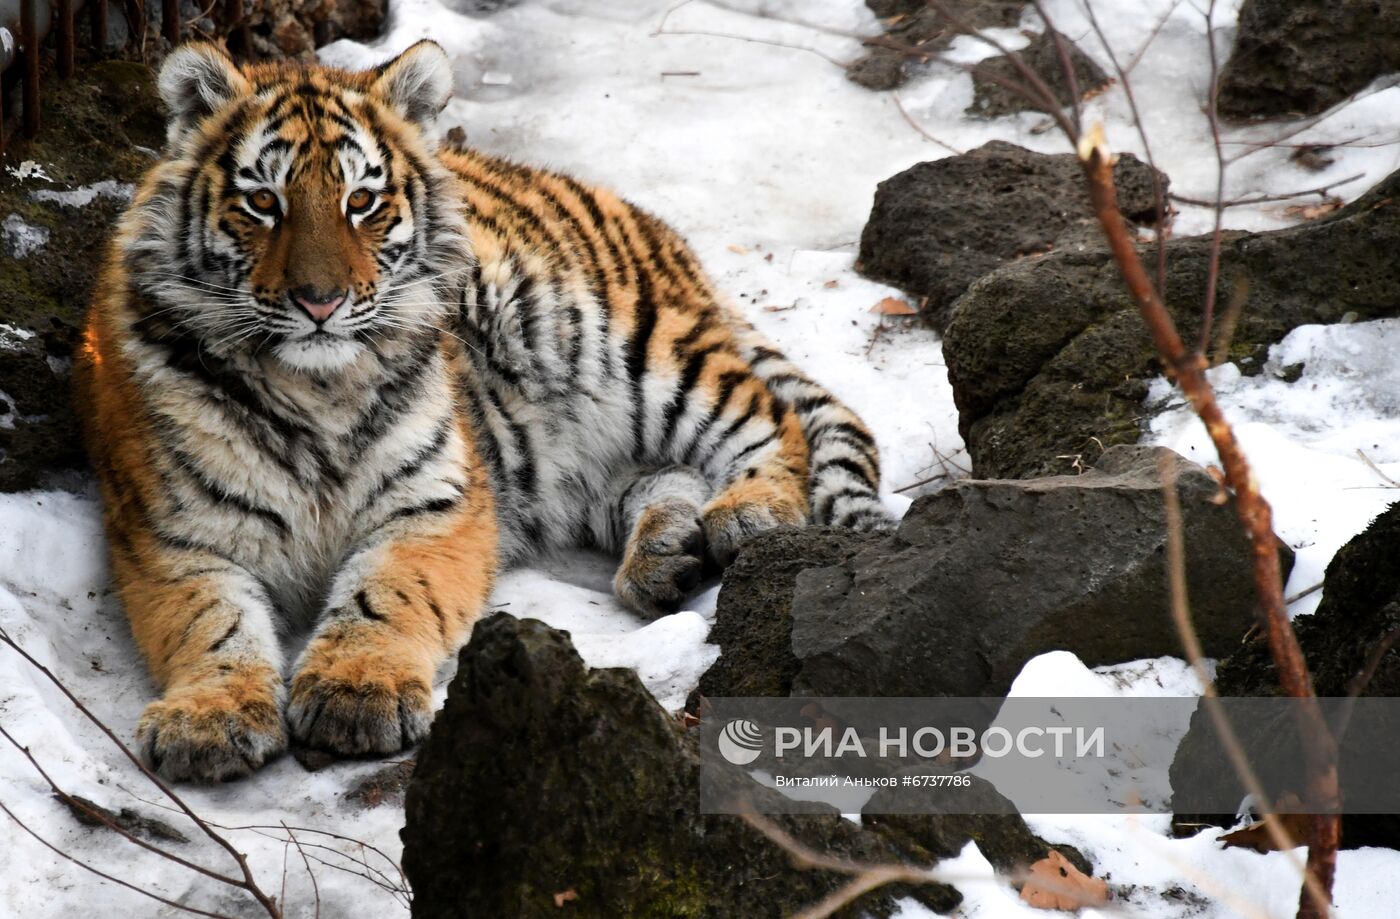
[170, 20]
[29, 79]
[64, 10]
[97, 24]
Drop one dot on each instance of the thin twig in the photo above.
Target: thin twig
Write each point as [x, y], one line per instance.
[104, 875]
[248, 883]
[899, 104]
[315, 888]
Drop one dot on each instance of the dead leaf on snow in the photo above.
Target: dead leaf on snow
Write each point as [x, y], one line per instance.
[1055, 883]
[1257, 836]
[1313, 211]
[893, 306]
[738, 249]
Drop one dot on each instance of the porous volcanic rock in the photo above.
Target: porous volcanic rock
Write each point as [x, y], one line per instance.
[937, 227]
[985, 575]
[1305, 56]
[1049, 359]
[543, 778]
[1358, 619]
[100, 133]
[916, 24]
[992, 98]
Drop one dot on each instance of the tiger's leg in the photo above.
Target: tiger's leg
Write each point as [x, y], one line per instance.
[653, 517]
[764, 461]
[205, 626]
[396, 609]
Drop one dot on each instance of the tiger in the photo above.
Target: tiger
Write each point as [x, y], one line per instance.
[337, 374]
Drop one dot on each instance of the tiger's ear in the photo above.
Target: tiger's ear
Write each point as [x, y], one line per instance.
[417, 84]
[196, 80]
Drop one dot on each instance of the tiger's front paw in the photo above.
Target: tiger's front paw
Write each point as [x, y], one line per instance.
[359, 706]
[664, 559]
[213, 732]
[727, 525]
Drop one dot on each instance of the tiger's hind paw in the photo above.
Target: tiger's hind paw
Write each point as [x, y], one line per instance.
[727, 526]
[664, 560]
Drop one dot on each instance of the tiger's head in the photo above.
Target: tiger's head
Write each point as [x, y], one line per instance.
[300, 210]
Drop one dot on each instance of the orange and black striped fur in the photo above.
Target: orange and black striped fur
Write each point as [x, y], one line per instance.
[335, 377]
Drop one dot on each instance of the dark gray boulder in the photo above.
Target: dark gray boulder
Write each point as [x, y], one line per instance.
[541, 777]
[992, 98]
[916, 24]
[1050, 362]
[985, 575]
[1352, 632]
[939, 226]
[1304, 56]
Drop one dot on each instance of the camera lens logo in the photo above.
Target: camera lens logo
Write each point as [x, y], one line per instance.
[740, 742]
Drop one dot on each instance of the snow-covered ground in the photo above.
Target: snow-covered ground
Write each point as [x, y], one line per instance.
[766, 158]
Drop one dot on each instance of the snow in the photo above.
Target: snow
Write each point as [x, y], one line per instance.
[84, 195]
[22, 239]
[766, 157]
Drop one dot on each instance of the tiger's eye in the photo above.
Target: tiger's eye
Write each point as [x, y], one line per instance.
[359, 199]
[263, 201]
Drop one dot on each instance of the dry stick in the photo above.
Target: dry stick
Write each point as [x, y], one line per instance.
[866, 877]
[1265, 199]
[1195, 656]
[104, 875]
[315, 888]
[108, 822]
[1187, 369]
[248, 883]
[899, 104]
[1218, 226]
[1158, 192]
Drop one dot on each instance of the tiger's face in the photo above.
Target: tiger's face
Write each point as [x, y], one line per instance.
[302, 211]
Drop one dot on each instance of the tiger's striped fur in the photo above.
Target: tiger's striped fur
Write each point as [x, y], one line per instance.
[335, 377]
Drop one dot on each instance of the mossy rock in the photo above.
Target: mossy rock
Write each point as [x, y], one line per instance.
[1050, 361]
[104, 125]
[542, 779]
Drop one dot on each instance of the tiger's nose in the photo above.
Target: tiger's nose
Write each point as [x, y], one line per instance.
[318, 304]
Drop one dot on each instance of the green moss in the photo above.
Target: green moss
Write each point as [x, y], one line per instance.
[103, 124]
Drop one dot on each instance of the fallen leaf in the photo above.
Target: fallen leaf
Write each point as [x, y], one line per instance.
[564, 896]
[1313, 211]
[892, 306]
[1055, 883]
[1257, 837]
[832, 283]
[738, 249]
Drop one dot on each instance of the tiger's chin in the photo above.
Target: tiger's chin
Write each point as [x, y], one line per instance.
[319, 353]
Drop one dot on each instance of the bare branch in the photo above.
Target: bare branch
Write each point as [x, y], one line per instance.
[248, 883]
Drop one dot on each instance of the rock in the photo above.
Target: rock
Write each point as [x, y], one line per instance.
[1050, 362]
[1359, 614]
[937, 227]
[755, 629]
[296, 28]
[1304, 56]
[100, 132]
[1003, 838]
[992, 99]
[542, 778]
[985, 575]
[915, 24]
